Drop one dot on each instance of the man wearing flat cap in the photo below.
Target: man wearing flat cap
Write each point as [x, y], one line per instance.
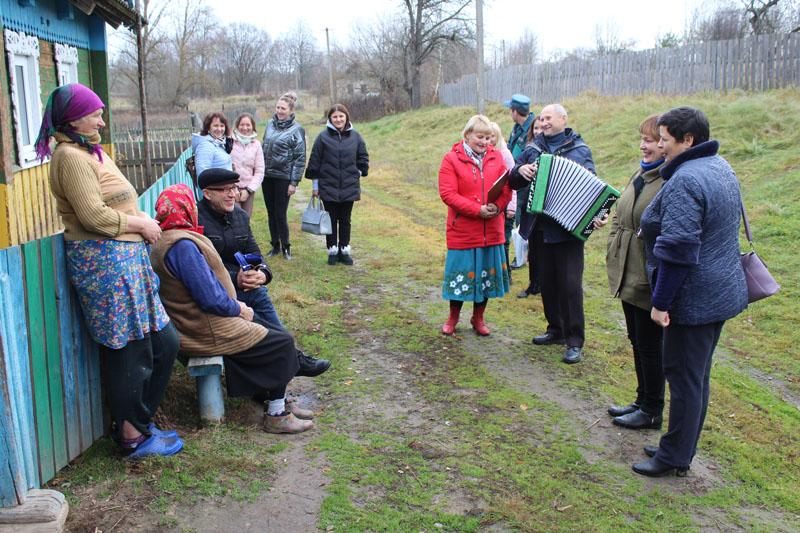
[520, 106]
[227, 226]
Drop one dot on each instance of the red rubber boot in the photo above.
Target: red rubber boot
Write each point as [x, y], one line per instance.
[449, 327]
[477, 320]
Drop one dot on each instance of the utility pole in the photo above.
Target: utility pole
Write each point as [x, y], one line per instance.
[330, 67]
[140, 60]
[479, 30]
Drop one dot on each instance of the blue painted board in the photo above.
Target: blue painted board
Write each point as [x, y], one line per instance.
[81, 357]
[53, 352]
[95, 386]
[18, 373]
[67, 349]
[38, 358]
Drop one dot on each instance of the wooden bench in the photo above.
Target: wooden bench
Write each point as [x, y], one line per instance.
[208, 373]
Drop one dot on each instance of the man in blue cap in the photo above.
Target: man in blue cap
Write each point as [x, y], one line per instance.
[520, 106]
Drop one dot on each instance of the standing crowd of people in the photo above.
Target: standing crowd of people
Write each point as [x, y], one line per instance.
[193, 281]
[672, 255]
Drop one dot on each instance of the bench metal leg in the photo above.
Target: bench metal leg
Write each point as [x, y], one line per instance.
[209, 397]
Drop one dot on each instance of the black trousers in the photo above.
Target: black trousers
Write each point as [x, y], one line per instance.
[646, 340]
[687, 366]
[560, 269]
[276, 198]
[533, 270]
[265, 368]
[340, 223]
[136, 377]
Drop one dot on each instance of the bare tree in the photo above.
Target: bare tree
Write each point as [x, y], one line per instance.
[722, 22]
[608, 41]
[428, 24]
[300, 50]
[377, 52]
[772, 16]
[245, 59]
[524, 51]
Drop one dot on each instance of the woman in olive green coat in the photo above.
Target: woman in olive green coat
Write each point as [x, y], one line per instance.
[627, 278]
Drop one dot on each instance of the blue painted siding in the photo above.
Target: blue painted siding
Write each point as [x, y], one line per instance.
[43, 22]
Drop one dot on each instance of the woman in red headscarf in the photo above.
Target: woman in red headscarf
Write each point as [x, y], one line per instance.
[200, 298]
[107, 263]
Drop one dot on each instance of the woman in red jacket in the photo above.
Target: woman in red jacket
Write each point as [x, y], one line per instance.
[475, 268]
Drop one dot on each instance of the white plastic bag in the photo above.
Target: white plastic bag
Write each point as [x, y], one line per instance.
[520, 249]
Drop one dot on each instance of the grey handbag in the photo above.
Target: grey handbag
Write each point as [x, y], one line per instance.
[760, 282]
[315, 219]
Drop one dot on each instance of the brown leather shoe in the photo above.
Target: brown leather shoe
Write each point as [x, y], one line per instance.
[294, 407]
[286, 423]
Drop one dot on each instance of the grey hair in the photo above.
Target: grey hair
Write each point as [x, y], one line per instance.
[560, 110]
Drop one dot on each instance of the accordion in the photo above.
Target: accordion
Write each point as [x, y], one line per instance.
[569, 194]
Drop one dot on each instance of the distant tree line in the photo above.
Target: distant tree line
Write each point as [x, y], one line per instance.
[398, 60]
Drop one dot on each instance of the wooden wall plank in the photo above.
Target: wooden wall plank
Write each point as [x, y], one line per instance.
[81, 358]
[41, 399]
[67, 350]
[53, 353]
[15, 345]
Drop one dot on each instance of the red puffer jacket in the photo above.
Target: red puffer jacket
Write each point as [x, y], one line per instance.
[463, 187]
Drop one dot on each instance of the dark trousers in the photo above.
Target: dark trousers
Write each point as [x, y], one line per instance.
[276, 198]
[261, 303]
[533, 270]
[687, 366]
[264, 369]
[136, 377]
[646, 340]
[560, 268]
[340, 223]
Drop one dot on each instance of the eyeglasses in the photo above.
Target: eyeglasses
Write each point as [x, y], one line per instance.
[225, 190]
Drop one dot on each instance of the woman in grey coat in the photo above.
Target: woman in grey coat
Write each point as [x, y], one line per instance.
[691, 233]
[284, 148]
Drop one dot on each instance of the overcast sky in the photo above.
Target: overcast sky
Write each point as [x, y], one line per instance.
[564, 24]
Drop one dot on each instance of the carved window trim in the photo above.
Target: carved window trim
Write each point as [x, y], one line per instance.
[66, 63]
[23, 57]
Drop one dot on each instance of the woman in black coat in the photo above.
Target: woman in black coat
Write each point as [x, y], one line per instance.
[338, 161]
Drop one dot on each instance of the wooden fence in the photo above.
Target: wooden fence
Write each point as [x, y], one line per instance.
[51, 407]
[754, 63]
[166, 146]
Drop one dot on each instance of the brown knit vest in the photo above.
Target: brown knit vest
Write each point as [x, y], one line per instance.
[201, 333]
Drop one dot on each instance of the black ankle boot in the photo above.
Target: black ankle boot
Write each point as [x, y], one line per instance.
[276, 250]
[286, 253]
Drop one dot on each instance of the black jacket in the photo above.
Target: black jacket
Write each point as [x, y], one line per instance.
[572, 148]
[338, 160]
[229, 233]
[284, 148]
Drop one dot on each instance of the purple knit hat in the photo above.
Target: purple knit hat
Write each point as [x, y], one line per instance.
[66, 104]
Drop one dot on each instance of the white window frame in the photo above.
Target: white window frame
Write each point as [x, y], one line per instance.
[23, 52]
[66, 64]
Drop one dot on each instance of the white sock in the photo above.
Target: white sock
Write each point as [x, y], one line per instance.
[333, 250]
[276, 407]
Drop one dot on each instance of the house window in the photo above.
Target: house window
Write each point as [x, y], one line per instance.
[23, 61]
[66, 63]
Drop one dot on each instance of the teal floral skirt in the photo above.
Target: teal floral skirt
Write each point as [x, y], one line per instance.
[475, 274]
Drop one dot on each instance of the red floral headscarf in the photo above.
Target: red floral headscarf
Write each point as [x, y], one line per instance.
[176, 209]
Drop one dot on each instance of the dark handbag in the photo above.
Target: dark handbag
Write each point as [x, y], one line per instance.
[191, 169]
[760, 282]
[315, 219]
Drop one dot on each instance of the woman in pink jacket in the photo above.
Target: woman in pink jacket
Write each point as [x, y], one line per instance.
[248, 160]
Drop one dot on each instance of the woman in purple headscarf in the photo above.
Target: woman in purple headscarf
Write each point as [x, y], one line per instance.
[109, 267]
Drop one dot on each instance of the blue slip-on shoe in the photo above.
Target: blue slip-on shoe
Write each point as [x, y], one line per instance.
[156, 445]
[164, 433]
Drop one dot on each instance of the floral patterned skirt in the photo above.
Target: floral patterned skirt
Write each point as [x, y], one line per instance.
[117, 290]
[475, 274]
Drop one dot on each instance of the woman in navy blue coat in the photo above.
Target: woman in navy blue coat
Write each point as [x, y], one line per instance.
[691, 235]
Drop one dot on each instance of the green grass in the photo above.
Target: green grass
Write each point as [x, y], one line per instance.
[489, 445]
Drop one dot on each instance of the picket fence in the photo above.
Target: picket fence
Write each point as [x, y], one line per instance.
[756, 63]
[51, 401]
[166, 146]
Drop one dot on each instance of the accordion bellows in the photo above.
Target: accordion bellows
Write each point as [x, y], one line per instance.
[569, 194]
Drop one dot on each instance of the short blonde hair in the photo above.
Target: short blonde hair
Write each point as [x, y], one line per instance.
[477, 123]
[499, 143]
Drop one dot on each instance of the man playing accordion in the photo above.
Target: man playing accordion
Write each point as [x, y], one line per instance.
[559, 255]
